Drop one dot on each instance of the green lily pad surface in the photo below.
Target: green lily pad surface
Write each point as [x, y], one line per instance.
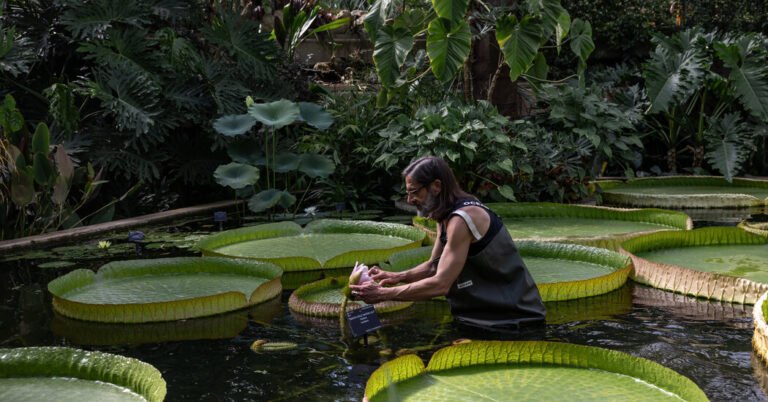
[164, 289]
[722, 263]
[745, 261]
[582, 224]
[686, 192]
[322, 244]
[528, 371]
[66, 374]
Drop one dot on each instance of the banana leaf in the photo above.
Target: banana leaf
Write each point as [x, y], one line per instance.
[686, 192]
[46, 373]
[527, 370]
[322, 244]
[165, 289]
[709, 269]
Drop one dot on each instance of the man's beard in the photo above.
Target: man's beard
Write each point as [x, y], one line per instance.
[429, 205]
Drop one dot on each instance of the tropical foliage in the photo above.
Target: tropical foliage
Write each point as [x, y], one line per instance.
[709, 91]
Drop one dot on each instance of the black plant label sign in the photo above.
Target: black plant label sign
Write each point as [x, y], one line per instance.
[363, 320]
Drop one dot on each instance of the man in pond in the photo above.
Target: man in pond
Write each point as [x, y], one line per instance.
[474, 262]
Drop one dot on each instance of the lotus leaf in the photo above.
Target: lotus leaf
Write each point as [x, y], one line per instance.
[236, 175]
[39, 373]
[323, 299]
[582, 224]
[530, 370]
[164, 289]
[234, 125]
[686, 192]
[269, 198]
[316, 165]
[275, 114]
[314, 115]
[561, 271]
[247, 151]
[721, 263]
[322, 244]
[286, 162]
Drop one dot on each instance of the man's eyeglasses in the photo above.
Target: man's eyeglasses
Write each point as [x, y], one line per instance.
[413, 191]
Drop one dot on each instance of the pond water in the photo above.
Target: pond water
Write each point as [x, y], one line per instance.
[210, 358]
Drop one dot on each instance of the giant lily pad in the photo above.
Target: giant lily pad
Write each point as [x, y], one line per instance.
[66, 374]
[221, 326]
[561, 271]
[760, 338]
[686, 192]
[758, 228]
[164, 289]
[721, 263]
[532, 370]
[582, 224]
[322, 244]
[323, 298]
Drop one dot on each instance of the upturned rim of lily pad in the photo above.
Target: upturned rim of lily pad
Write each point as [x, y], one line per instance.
[181, 308]
[56, 361]
[298, 303]
[688, 281]
[518, 355]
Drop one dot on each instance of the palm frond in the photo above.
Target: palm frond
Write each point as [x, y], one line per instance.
[240, 39]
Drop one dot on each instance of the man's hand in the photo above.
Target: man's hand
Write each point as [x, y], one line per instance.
[369, 292]
[384, 277]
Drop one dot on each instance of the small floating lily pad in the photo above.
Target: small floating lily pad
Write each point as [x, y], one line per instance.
[561, 271]
[686, 192]
[533, 370]
[760, 337]
[582, 224]
[721, 263]
[164, 289]
[322, 244]
[323, 299]
[66, 374]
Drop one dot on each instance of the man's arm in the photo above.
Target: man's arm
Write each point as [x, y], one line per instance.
[419, 272]
[452, 260]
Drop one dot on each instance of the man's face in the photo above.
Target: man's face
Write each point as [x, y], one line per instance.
[420, 196]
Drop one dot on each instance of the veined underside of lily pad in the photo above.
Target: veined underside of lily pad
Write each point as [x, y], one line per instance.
[561, 271]
[581, 224]
[686, 192]
[60, 373]
[164, 289]
[323, 299]
[322, 244]
[720, 263]
[528, 370]
[760, 337]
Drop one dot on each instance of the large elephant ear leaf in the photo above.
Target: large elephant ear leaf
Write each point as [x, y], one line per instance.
[377, 14]
[448, 46]
[551, 13]
[519, 42]
[749, 75]
[674, 72]
[276, 114]
[234, 125]
[314, 165]
[581, 42]
[236, 175]
[246, 151]
[314, 115]
[269, 198]
[392, 46]
[452, 10]
[728, 142]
